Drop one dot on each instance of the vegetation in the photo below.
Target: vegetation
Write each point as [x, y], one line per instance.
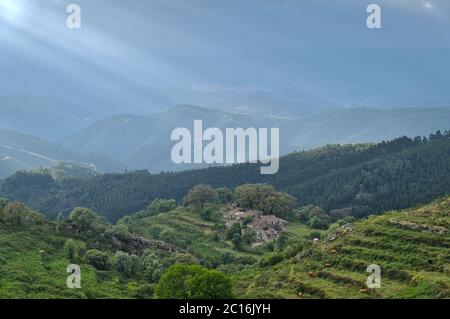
[193, 282]
[186, 249]
[265, 198]
[357, 179]
[198, 259]
[410, 246]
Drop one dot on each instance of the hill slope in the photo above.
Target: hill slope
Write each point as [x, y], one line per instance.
[23, 152]
[411, 247]
[144, 141]
[368, 178]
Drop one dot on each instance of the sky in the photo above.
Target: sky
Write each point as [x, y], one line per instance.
[320, 47]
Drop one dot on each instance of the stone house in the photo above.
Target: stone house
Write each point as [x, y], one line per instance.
[267, 228]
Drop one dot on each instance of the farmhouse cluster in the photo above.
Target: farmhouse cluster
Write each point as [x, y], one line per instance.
[265, 228]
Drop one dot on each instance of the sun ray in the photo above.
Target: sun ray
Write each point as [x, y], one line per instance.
[10, 10]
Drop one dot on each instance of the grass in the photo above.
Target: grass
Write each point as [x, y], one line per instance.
[301, 230]
[184, 228]
[410, 246]
[26, 274]
[414, 262]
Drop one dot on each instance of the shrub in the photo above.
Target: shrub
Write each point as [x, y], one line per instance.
[200, 195]
[207, 213]
[82, 219]
[271, 260]
[152, 266]
[234, 229]
[193, 282]
[126, 264]
[98, 259]
[73, 249]
[160, 205]
[224, 195]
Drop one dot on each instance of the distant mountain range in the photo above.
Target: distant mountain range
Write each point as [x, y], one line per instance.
[23, 152]
[46, 117]
[143, 142]
[111, 140]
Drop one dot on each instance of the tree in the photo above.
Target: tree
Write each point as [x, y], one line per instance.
[98, 259]
[237, 241]
[316, 222]
[74, 249]
[82, 219]
[182, 281]
[278, 204]
[264, 197]
[234, 229]
[60, 221]
[224, 195]
[211, 284]
[3, 203]
[281, 242]
[250, 195]
[200, 195]
[126, 264]
[16, 213]
[152, 266]
[207, 213]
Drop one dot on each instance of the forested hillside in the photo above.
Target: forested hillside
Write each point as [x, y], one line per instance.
[365, 178]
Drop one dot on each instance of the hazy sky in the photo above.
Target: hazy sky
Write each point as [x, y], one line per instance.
[322, 47]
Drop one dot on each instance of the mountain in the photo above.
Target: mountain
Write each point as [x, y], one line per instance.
[23, 152]
[410, 247]
[361, 179]
[46, 117]
[281, 103]
[144, 141]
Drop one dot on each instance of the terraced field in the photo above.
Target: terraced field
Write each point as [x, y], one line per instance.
[185, 229]
[412, 248]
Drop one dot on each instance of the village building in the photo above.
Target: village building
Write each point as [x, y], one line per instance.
[236, 215]
[265, 228]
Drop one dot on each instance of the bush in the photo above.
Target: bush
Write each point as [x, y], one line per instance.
[73, 249]
[144, 291]
[207, 213]
[264, 197]
[3, 203]
[159, 206]
[98, 259]
[314, 234]
[193, 282]
[224, 195]
[200, 195]
[318, 223]
[126, 264]
[153, 266]
[237, 241]
[82, 219]
[271, 260]
[234, 229]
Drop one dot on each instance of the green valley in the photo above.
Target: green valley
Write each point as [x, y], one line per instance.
[130, 259]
